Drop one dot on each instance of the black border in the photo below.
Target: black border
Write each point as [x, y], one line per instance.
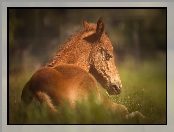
[8, 8]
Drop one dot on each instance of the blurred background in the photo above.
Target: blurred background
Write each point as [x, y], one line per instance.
[35, 34]
[138, 37]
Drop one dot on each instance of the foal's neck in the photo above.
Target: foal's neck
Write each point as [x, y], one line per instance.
[75, 51]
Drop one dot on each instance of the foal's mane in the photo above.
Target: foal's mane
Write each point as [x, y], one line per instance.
[72, 41]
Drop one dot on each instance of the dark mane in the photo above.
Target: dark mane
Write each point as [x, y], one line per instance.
[70, 42]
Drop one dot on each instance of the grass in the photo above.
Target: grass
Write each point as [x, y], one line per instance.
[144, 90]
[144, 87]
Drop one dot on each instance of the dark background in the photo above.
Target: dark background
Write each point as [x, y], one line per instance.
[35, 34]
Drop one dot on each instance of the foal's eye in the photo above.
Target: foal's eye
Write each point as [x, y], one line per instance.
[108, 56]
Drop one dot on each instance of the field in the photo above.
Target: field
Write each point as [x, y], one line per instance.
[144, 90]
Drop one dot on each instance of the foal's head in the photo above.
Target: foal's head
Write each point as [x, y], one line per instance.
[101, 57]
[91, 50]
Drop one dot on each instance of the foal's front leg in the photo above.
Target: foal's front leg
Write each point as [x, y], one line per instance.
[135, 114]
[138, 118]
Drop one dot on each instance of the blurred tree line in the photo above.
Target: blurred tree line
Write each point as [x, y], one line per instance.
[38, 32]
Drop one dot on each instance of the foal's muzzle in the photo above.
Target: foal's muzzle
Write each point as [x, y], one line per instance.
[115, 89]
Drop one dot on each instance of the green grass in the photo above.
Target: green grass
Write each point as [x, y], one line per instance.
[144, 90]
[144, 87]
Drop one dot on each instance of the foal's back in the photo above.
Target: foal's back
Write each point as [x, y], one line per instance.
[64, 83]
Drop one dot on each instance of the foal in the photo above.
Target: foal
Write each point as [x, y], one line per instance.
[73, 72]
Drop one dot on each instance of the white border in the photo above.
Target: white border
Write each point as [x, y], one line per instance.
[87, 128]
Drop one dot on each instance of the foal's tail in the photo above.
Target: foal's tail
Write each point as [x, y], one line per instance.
[44, 98]
[38, 98]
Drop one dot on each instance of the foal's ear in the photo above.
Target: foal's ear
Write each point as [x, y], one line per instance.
[85, 25]
[100, 27]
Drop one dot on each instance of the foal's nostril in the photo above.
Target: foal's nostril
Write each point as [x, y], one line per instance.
[116, 88]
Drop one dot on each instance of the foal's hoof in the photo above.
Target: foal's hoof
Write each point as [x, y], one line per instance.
[135, 114]
[137, 118]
